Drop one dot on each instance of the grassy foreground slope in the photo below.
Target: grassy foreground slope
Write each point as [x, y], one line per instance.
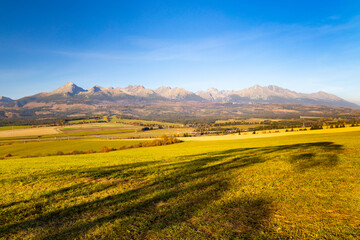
[300, 187]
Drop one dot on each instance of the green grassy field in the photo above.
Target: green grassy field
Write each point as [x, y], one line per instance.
[126, 128]
[287, 187]
[6, 128]
[99, 132]
[242, 127]
[73, 134]
[121, 133]
[114, 119]
[136, 121]
[96, 125]
[52, 147]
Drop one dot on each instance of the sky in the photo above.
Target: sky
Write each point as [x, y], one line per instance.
[305, 46]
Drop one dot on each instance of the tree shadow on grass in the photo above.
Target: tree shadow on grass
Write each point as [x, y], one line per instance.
[320, 146]
[247, 217]
[305, 161]
[171, 194]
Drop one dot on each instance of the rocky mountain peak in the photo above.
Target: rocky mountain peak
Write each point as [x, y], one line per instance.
[5, 99]
[69, 88]
[176, 93]
[138, 90]
[95, 89]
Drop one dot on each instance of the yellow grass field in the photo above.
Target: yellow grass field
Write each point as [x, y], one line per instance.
[29, 132]
[262, 134]
[98, 125]
[301, 185]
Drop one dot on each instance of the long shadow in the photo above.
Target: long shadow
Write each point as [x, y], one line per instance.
[186, 173]
[113, 171]
[305, 161]
[248, 216]
[179, 191]
[327, 146]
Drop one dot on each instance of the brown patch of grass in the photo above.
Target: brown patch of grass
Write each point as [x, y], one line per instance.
[105, 149]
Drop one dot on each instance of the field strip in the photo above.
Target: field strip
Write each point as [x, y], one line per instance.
[122, 139]
[249, 135]
[29, 132]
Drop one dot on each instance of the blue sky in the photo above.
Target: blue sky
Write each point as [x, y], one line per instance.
[305, 46]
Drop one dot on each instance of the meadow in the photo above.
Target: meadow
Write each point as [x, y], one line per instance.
[6, 128]
[285, 187]
[109, 127]
[114, 119]
[31, 149]
[24, 131]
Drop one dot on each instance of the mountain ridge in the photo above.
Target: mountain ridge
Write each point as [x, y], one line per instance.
[256, 94]
[5, 99]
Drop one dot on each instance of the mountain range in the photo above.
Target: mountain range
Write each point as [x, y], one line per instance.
[70, 92]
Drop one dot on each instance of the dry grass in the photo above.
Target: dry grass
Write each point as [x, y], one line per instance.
[269, 134]
[29, 132]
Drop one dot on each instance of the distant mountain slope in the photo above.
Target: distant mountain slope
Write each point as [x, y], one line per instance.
[5, 99]
[139, 91]
[213, 94]
[274, 94]
[71, 93]
[177, 94]
[68, 89]
[97, 92]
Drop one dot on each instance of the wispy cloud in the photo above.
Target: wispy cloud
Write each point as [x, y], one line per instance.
[214, 48]
[147, 49]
